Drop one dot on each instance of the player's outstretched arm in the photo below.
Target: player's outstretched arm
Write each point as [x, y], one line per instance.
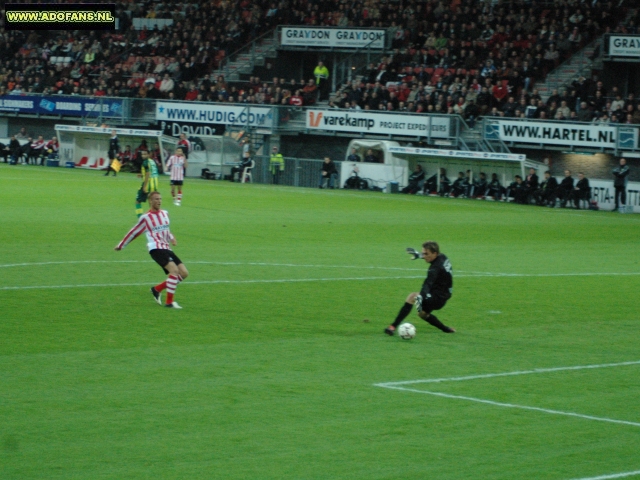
[414, 253]
[132, 234]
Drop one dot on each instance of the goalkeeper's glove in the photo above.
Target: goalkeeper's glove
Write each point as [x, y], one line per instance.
[414, 253]
[419, 303]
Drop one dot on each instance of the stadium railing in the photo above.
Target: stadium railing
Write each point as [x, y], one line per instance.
[298, 172]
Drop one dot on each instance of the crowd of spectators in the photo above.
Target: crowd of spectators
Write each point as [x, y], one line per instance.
[586, 101]
[455, 56]
[482, 61]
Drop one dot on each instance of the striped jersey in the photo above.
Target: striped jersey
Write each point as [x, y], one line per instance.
[175, 165]
[150, 166]
[156, 226]
[38, 144]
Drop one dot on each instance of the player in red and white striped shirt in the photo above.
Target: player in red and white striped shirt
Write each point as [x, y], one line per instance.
[52, 147]
[155, 224]
[176, 165]
[37, 150]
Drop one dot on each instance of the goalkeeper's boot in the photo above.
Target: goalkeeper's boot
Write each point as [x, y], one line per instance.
[390, 330]
[173, 305]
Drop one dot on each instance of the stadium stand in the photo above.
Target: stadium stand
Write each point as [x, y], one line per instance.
[460, 56]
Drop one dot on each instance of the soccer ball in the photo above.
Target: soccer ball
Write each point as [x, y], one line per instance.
[406, 331]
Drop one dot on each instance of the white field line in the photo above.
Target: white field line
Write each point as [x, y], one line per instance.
[507, 374]
[511, 405]
[261, 264]
[462, 273]
[284, 280]
[468, 274]
[400, 386]
[613, 475]
[209, 282]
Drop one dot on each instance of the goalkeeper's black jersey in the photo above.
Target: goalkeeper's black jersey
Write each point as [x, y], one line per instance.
[439, 281]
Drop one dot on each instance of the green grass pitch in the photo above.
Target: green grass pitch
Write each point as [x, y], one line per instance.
[270, 370]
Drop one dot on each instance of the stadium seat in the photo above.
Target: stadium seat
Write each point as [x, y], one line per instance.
[83, 162]
[246, 173]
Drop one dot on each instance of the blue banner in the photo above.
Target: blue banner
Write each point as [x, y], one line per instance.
[62, 105]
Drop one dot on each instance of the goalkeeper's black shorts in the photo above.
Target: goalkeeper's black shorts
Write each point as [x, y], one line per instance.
[430, 304]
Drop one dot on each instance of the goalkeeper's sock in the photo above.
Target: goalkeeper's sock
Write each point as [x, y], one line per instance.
[139, 210]
[433, 320]
[404, 312]
[160, 287]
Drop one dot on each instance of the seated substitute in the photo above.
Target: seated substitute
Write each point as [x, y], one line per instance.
[565, 190]
[415, 180]
[431, 185]
[546, 193]
[36, 151]
[468, 182]
[328, 173]
[5, 151]
[531, 184]
[582, 191]
[459, 186]
[24, 153]
[479, 188]
[435, 292]
[517, 190]
[371, 157]
[495, 188]
[354, 157]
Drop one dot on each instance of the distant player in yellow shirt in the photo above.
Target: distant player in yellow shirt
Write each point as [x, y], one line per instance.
[150, 182]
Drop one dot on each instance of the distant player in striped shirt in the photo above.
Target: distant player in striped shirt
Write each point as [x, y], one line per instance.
[155, 224]
[176, 166]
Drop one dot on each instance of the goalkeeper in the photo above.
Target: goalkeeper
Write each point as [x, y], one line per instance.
[435, 292]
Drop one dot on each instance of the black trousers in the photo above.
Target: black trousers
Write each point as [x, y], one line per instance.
[621, 196]
[579, 196]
